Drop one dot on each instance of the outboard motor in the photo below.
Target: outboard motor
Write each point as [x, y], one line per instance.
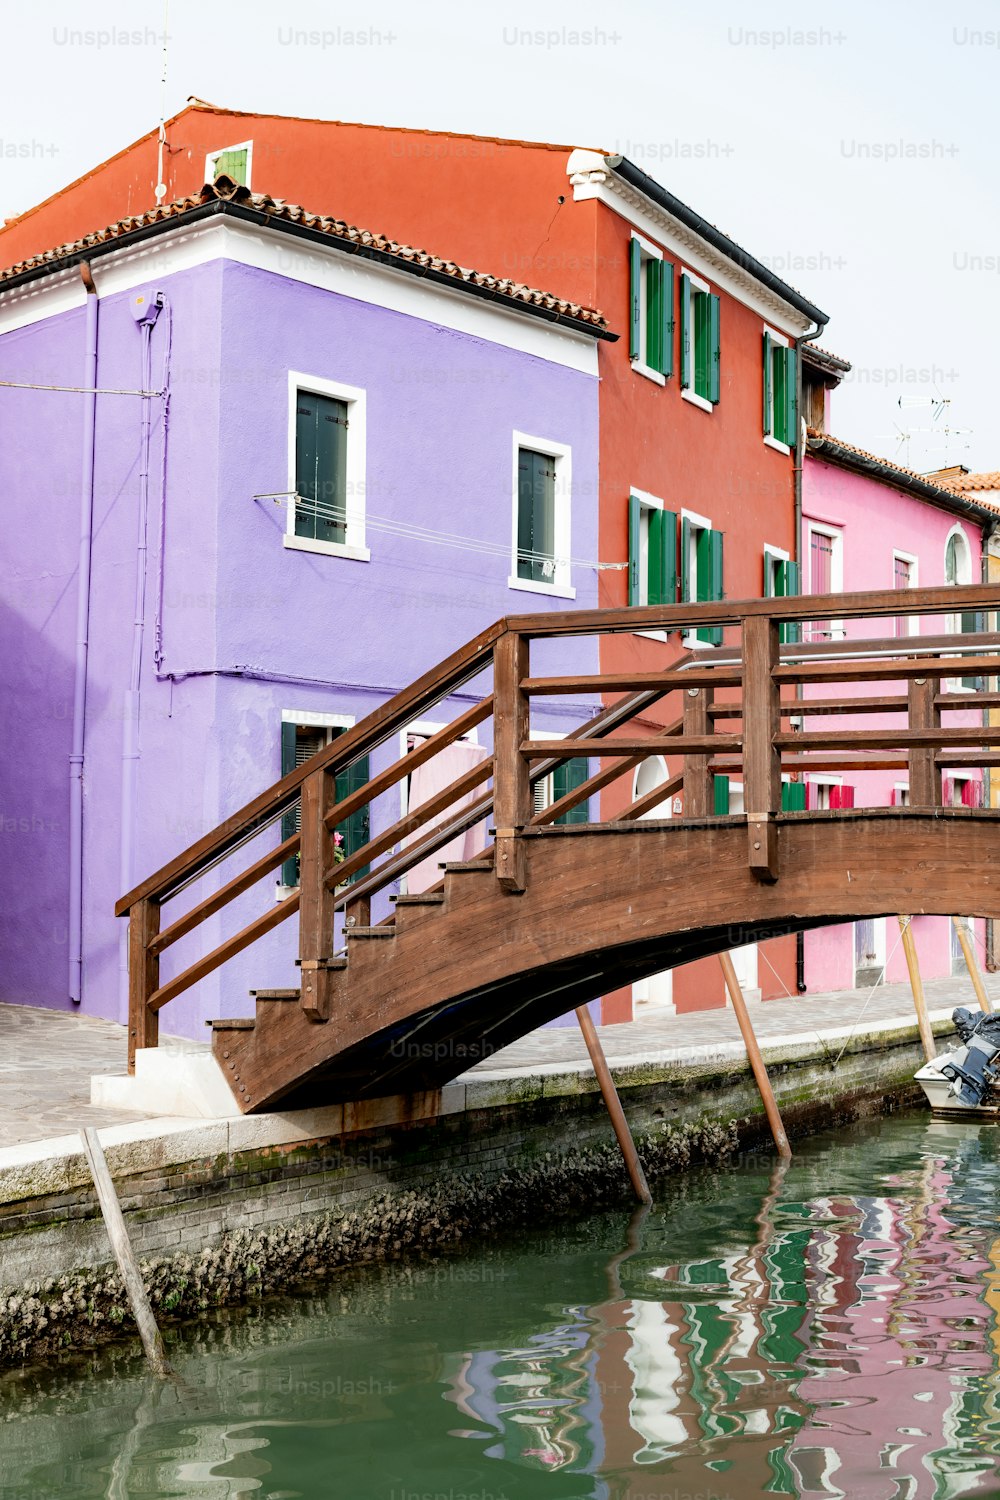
[975, 1069]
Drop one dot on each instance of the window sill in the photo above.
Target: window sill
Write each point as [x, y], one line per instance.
[691, 642]
[652, 635]
[776, 444]
[648, 372]
[696, 400]
[529, 586]
[328, 549]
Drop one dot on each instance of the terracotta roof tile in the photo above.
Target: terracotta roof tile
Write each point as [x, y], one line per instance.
[948, 490]
[964, 483]
[224, 189]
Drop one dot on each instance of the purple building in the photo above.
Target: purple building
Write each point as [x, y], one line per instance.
[317, 464]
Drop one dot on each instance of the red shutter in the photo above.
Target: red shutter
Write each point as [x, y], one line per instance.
[841, 796]
[972, 794]
[947, 791]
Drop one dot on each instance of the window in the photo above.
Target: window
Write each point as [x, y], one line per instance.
[826, 575]
[651, 310]
[326, 464]
[565, 778]
[700, 353]
[542, 488]
[234, 161]
[781, 581]
[299, 743]
[904, 576]
[652, 552]
[958, 571]
[701, 570]
[827, 794]
[961, 791]
[793, 796]
[779, 392]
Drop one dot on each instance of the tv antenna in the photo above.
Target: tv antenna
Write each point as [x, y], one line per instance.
[938, 406]
[161, 186]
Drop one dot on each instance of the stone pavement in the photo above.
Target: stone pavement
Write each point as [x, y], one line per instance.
[47, 1057]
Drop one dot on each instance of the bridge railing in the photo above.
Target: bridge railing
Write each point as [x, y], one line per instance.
[720, 708]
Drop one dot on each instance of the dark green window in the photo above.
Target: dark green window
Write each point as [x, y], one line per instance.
[300, 743]
[793, 796]
[566, 777]
[320, 467]
[651, 303]
[700, 341]
[720, 795]
[780, 404]
[233, 164]
[781, 581]
[652, 553]
[701, 571]
[536, 516]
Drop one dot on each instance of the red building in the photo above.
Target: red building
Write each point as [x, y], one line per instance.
[699, 426]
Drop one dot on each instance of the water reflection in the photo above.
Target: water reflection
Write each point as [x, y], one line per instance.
[830, 1328]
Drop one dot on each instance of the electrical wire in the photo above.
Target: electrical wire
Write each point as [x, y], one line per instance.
[76, 390]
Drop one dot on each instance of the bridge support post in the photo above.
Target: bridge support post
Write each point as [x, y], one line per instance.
[964, 933]
[761, 757]
[924, 777]
[511, 773]
[753, 1053]
[613, 1105]
[698, 801]
[143, 978]
[316, 900]
[917, 986]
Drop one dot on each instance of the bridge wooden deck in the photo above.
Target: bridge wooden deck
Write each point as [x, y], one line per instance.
[551, 916]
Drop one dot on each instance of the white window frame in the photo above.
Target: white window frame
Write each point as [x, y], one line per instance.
[772, 555]
[902, 786]
[822, 779]
[648, 502]
[836, 628]
[428, 728]
[912, 622]
[698, 284]
[355, 399]
[769, 440]
[310, 719]
[953, 623]
[213, 157]
[689, 638]
[562, 453]
[648, 252]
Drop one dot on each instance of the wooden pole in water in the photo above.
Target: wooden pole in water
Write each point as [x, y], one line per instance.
[613, 1104]
[123, 1253]
[917, 986]
[753, 1053]
[969, 949]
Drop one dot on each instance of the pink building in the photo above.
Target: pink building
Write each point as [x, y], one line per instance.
[869, 523]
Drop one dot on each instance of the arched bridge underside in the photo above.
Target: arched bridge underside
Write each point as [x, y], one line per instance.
[602, 906]
[573, 891]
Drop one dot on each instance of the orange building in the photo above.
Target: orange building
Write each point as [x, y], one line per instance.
[699, 429]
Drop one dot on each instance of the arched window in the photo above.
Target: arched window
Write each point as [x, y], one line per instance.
[958, 571]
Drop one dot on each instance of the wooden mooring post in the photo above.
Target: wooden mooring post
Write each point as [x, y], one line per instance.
[965, 937]
[152, 1341]
[917, 986]
[613, 1105]
[753, 1053]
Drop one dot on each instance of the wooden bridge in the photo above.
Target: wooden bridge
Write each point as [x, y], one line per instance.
[551, 915]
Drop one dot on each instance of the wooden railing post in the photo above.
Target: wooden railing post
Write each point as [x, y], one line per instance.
[316, 898]
[698, 799]
[511, 773]
[761, 758]
[143, 977]
[925, 779]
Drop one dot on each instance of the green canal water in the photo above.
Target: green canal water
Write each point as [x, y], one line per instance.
[830, 1330]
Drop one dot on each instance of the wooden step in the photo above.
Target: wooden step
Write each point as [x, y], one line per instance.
[424, 898]
[240, 1023]
[386, 931]
[275, 994]
[467, 866]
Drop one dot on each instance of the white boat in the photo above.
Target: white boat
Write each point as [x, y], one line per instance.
[965, 1080]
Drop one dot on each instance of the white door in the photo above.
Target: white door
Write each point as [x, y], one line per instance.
[657, 992]
[744, 958]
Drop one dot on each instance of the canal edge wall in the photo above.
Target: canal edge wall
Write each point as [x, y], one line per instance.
[224, 1211]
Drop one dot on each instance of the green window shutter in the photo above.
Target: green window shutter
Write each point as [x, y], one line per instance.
[687, 362]
[634, 548]
[767, 386]
[666, 553]
[689, 591]
[355, 830]
[320, 467]
[720, 789]
[635, 298]
[666, 365]
[233, 164]
[715, 349]
[770, 568]
[566, 777]
[654, 313]
[788, 588]
[710, 579]
[535, 515]
[793, 796]
[654, 552]
[791, 409]
[289, 820]
[699, 336]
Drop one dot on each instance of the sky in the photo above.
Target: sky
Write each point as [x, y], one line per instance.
[851, 148]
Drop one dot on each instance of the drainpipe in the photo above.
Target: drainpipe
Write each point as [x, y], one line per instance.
[145, 311]
[79, 732]
[989, 531]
